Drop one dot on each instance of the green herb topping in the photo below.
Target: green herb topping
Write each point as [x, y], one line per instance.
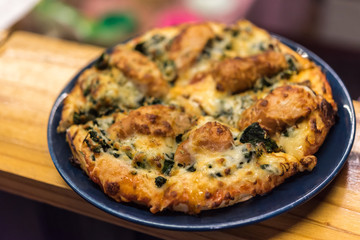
[264, 166]
[255, 135]
[159, 181]
[191, 169]
[168, 164]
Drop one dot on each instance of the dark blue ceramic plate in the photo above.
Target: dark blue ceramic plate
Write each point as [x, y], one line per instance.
[295, 191]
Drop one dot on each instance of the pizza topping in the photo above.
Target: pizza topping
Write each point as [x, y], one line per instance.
[185, 48]
[232, 107]
[217, 174]
[216, 48]
[280, 108]
[264, 166]
[191, 169]
[102, 90]
[291, 62]
[142, 71]
[129, 153]
[167, 167]
[139, 161]
[239, 74]
[155, 120]
[206, 52]
[99, 142]
[160, 181]
[212, 136]
[182, 155]
[178, 138]
[153, 48]
[249, 154]
[101, 95]
[255, 135]
[80, 117]
[168, 163]
[168, 69]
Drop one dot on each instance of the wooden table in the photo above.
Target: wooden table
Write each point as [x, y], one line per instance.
[34, 69]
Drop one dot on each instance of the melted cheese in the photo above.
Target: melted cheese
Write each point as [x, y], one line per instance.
[198, 97]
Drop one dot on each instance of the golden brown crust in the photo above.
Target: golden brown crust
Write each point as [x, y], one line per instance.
[69, 109]
[197, 117]
[302, 62]
[319, 123]
[315, 79]
[186, 196]
[181, 193]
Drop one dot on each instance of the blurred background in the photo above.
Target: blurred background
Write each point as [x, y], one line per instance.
[327, 27]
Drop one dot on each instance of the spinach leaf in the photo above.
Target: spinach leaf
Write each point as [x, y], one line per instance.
[191, 169]
[159, 181]
[255, 135]
[168, 164]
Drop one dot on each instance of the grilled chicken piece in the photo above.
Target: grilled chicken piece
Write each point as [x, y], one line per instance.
[141, 70]
[188, 44]
[156, 120]
[239, 74]
[280, 108]
[212, 136]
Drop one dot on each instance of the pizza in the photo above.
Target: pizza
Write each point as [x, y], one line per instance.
[197, 116]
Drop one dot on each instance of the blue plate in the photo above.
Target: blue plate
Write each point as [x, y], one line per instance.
[295, 191]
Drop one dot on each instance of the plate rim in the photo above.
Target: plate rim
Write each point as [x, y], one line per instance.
[208, 227]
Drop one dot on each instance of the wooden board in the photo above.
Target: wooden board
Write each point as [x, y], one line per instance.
[34, 69]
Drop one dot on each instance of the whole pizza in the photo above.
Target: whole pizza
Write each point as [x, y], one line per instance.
[197, 116]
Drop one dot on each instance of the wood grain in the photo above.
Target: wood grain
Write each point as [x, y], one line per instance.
[34, 69]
